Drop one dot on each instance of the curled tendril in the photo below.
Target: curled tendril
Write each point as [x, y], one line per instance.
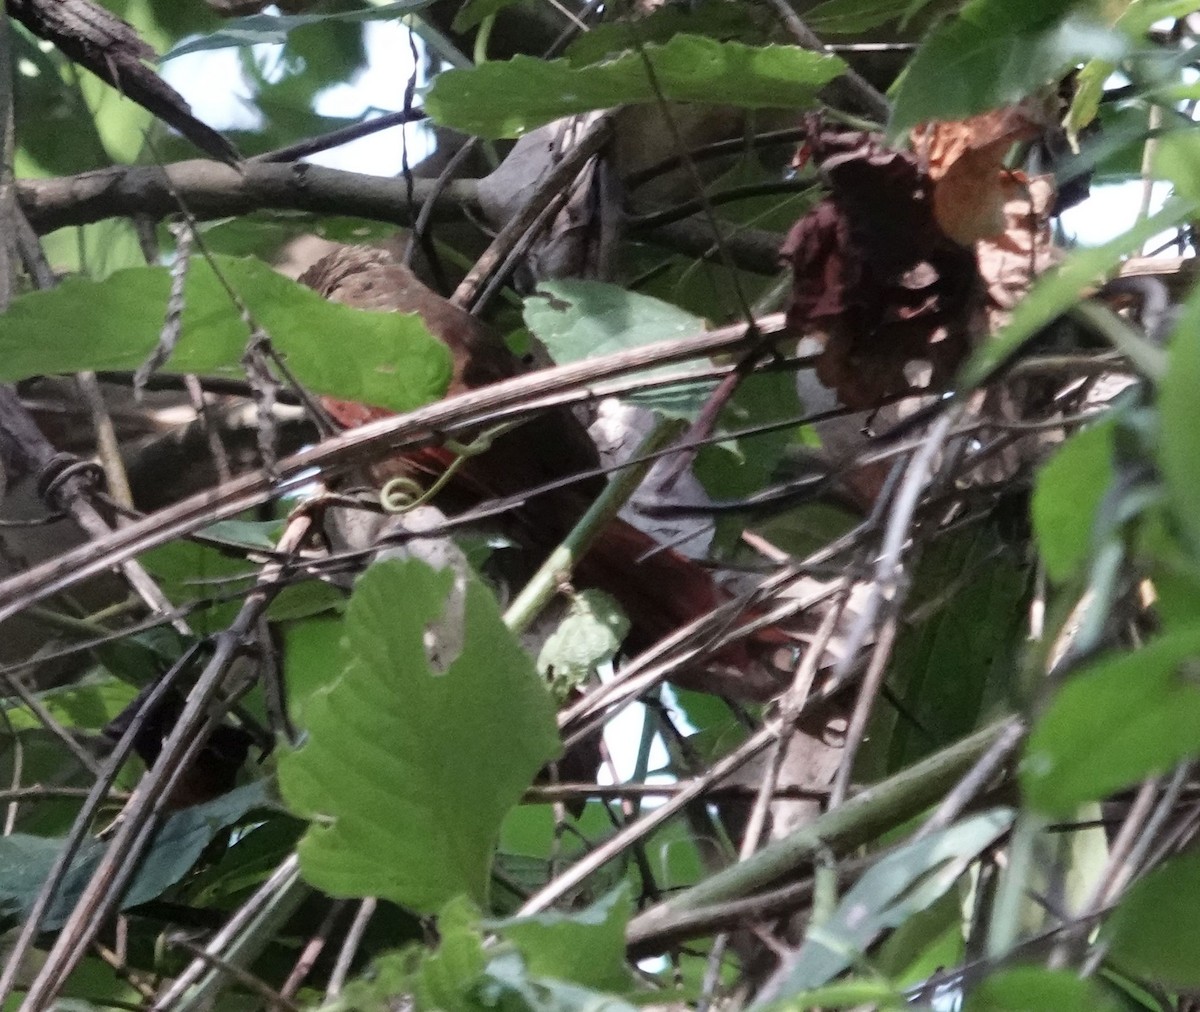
[403, 494]
[400, 495]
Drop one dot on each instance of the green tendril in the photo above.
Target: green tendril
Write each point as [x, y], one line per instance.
[400, 495]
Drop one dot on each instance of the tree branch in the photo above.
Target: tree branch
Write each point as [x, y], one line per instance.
[211, 189]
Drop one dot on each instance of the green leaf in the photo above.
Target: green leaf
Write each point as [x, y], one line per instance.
[1034, 989]
[508, 984]
[268, 29]
[996, 52]
[760, 400]
[849, 993]
[245, 533]
[895, 887]
[387, 359]
[1089, 90]
[714, 19]
[474, 11]
[388, 977]
[1177, 158]
[589, 635]
[86, 705]
[507, 99]
[1055, 293]
[576, 320]
[840, 17]
[25, 861]
[1067, 497]
[412, 761]
[189, 571]
[305, 599]
[1155, 931]
[958, 651]
[1116, 722]
[314, 656]
[446, 976]
[1179, 439]
[586, 947]
[927, 941]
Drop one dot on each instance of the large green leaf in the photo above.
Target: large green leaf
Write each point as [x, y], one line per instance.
[897, 886]
[996, 52]
[1067, 497]
[507, 99]
[1155, 933]
[388, 359]
[1179, 439]
[410, 763]
[576, 320]
[586, 947]
[1120, 720]
[1035, 989]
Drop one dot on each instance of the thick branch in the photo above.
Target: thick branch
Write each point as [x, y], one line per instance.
[211, 189]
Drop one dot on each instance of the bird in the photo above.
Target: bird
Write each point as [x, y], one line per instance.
[658, 588]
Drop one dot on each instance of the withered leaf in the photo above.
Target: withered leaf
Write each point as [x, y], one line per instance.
[874, 273]
[965, 161]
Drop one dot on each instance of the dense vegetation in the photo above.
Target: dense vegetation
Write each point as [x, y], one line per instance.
[850, 662]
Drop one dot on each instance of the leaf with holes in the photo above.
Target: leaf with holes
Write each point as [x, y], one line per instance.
[589, 635]
[418, 750]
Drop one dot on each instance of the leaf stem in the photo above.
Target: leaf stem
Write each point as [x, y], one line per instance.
[558, 567]
[860, 819]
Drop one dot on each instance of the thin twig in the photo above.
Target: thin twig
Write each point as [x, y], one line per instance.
[860, 819]
[140, 815]
[82, 824]
[312, 950]
[341, 969]
[557, 568]
[273, 998]
[554, 183]
[866, 92]
[286, 873]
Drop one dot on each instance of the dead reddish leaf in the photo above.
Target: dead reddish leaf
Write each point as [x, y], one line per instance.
[874, 275]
